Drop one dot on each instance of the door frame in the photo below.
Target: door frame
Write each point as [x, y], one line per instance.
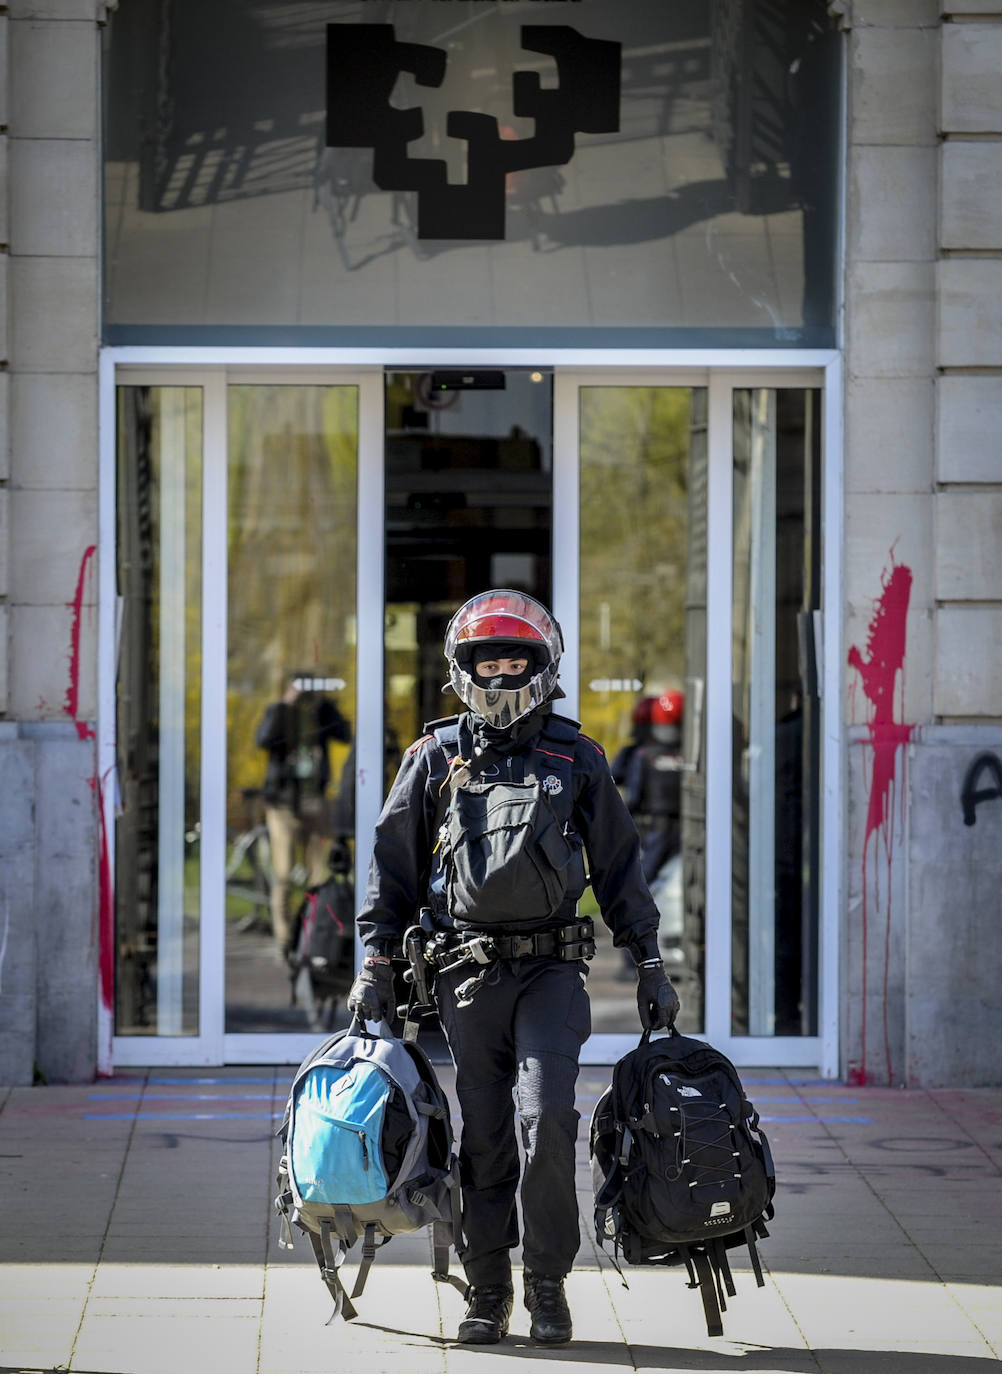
[721, 371]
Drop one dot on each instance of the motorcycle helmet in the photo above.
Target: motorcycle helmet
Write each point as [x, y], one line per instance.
[503, 624]
[666, 718]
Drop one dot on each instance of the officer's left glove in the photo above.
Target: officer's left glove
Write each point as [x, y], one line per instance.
[371, 995]
[657, 999]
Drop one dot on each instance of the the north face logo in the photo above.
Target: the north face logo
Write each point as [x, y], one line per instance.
[363, 64]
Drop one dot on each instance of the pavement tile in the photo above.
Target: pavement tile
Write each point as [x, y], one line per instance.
[178, 1281]
[39, 1331]
[150, 1342]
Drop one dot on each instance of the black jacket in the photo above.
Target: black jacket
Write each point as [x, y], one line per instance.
[401, 866]
[296, 737]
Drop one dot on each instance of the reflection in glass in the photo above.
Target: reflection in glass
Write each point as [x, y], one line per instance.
[642, 660]
[158, 707]
[692, 189]
[776, 739]
[293, 466]
[468, 506]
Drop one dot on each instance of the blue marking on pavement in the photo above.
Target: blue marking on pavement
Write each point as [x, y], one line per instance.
[811, 1100]
[826, 1120]
[186, 1097]
[206, 1082]
[182, 1116]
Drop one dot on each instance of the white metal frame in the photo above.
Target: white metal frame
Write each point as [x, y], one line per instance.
[721, 370]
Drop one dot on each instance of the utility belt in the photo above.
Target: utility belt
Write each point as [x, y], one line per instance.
[451, 949]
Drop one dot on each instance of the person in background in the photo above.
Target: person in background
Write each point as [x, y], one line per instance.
[297, 731]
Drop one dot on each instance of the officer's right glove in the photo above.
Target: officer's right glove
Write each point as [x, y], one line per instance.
[371, 996]
[657, 1000]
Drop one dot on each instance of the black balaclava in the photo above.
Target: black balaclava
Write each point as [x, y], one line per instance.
[485, 653]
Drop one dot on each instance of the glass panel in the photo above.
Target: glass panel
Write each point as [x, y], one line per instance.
[669, 169]
[293, 468]
[469, 487]
[159, 707]
[643, 661]
[775, 805]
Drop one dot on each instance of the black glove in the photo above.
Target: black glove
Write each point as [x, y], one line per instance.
[657, 999]
[371, 996]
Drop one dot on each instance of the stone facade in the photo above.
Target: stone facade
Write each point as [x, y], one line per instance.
[923, 481]
[922, 625]
[49, 308]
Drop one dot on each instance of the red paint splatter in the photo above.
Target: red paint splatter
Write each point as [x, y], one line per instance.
[885, 659]
[106, 910]
[71, 704]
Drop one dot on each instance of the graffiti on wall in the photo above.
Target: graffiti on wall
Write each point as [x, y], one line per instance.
[880, 666]
[971, 795]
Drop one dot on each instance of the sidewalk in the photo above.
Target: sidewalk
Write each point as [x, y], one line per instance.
[137, 1236]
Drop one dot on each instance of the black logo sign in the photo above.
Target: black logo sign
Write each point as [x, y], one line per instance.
[363, 64]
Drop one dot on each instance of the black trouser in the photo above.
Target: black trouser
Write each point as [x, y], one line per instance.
[523, 1029]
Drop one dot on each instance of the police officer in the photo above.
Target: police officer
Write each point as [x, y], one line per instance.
[521, 1018]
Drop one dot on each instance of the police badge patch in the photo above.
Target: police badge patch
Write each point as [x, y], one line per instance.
[552, 785]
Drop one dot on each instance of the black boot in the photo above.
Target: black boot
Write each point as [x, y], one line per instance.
[488, 1314]
[547, 1304]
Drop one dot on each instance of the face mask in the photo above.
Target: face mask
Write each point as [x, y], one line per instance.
[502, 682]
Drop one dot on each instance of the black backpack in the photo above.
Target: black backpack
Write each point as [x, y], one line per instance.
[682, 1171]
[321, 956]
[509, 851]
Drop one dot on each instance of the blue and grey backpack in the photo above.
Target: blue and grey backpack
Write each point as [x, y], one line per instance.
[368, 1155]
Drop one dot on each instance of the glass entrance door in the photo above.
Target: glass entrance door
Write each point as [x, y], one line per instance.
[291, 546]
[687, 520]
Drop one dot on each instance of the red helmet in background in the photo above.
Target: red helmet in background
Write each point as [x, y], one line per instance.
[668, 708]
[503, 616]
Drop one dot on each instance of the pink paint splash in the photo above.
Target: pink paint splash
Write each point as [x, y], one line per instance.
[885, 650]
[106, 916]
[71, 704]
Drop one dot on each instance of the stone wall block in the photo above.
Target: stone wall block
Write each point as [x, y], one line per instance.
[53, 79]
[84, 10]
[970, 312]
[968, 429]
[5, 468]
[49, 674]
[55, 211]
[968, 546]
[5, 68]
[17, 908]
[5, 306]
[66, 887]
[891, 320]
[905, 14]
[4, 540]
[4, 188]
[971, 101]
[54, 306]
[3, 657]
[971, 195]
[889, 443]
[50, 533]
[891, 204]
[893, 83]
[882, 532]
[967, 681]
[54, 430]
[953, 929]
